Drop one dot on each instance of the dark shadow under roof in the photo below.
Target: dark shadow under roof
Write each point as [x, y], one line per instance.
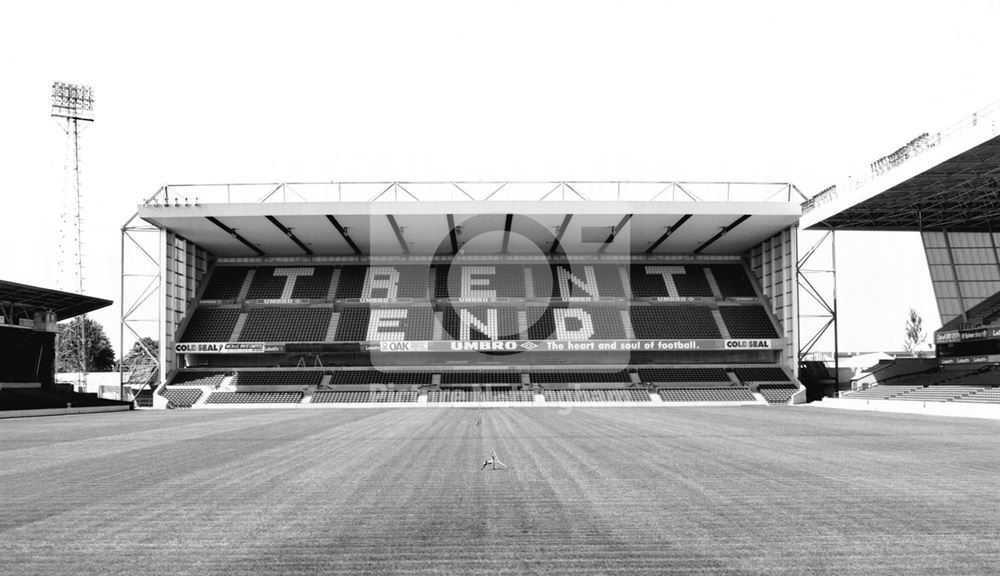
[30, 299]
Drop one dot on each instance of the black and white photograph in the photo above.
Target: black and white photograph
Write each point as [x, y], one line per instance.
[447, 288]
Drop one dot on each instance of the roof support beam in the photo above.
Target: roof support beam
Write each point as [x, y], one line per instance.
[452, 233]
[399, 233]
[673, 228]
[232, 232]
[343, 233]
[722, 233]
[506, 233]
[559, 235]
[288, 232]
[614, 233]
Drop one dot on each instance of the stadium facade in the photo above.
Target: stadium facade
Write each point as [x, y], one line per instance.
[445, 292]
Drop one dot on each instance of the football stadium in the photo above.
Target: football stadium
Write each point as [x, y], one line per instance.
[633, 356]
[520, 377]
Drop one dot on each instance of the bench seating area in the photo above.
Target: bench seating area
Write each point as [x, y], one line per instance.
[286, 325]
[939, 393]
[296, 378]
[734, 394]
[881, 392]
[479, 395]
[597, 395]
[777, 393]
[989, 395]
[370, 396]
[254, 398]
[211, 325]
[204, 379]
[505, 280]
[181, 397]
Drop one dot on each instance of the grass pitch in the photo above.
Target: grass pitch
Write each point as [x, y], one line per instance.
[752, 490]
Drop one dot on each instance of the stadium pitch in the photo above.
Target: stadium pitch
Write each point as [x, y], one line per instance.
[751, 490]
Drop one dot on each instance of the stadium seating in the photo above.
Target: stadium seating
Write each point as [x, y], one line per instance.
[297, 378]
[597, 395]
[254, 398]
[777, 393]
[761, 374]
[606, 322]
[354, 324]
[316, 285]
[579, 281]
[732, 281]
[747, 322]
[989, 395]
[500, 280]
[481, 377]
[272, 282]
[648, 280]
[706, 395]
[397, 377]
[881, 392]
[479, 395]
[939, 393]
[181, 397]
[286, 325]
[674, 322]
[225, 283]
[579, 377]
[368, 396]
[204, 379]
[680, 375]
[506, 323]
[211, 325]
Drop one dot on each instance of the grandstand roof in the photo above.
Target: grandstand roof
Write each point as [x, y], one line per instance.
[29, 299]
[680, 222]
[946, 181]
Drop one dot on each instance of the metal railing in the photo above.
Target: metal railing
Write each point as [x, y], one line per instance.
[986, 120]
[480, 191]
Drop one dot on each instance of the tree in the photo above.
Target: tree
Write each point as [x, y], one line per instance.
[139, 351]
[915, 335]
[100, 354]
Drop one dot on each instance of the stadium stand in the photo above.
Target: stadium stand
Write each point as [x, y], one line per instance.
[989, 395]
[683, 375]
[651, 280]
[484, 323]
[481, 377]
[605, 322]
[760, 374]
[225, 284]
[579, 377]
[397, 377]
[204, 379]
[412, 323]
[777, 393]
[668, 322]
[211, 325]
[455, 394]
[316, 285]
[747, 322]
[939, 393]
[286, 325]
[370, 396]
[706, 395]
[597, 395]
[583, 281]
[732, 281]
[181, 397]
[298, 378]
[254, 398]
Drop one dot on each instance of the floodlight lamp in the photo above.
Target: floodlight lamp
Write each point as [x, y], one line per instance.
[72, 101]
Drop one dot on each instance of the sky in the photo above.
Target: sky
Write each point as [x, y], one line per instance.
[203, 92]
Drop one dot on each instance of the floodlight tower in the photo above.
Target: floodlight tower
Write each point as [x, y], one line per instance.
[71, 105]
